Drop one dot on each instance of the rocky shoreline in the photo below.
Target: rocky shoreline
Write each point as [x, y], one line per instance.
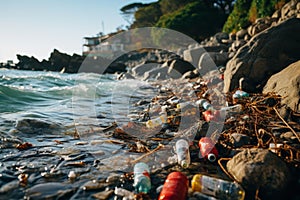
[258, 144]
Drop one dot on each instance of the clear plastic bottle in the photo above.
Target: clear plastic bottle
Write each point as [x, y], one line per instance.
[183, 153]
[235, 108]
[221, 189]
[142, 182]
[152, 123]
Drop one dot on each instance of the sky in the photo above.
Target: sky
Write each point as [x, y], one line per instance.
[37, 27]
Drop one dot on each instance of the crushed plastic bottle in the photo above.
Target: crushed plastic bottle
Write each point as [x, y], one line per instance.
[152, 123]
[240, 94]
[142, 182]
[175, 187]
[208, 149]
[221, 189]
[204, 104]
[183, 153]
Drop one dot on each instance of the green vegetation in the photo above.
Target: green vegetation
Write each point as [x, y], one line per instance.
[196, 18]
[199, 18]
[247, 11]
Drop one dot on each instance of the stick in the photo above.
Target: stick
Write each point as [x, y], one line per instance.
[297, 136]
[147, 154]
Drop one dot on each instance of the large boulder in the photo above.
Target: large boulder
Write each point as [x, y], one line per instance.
[141, 69]
[193, 55]
[260, 169]
[286, 83]
[181, 66]
[264, 55]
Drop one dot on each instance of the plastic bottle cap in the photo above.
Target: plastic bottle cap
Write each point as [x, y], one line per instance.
[184, 164]
[211, 157]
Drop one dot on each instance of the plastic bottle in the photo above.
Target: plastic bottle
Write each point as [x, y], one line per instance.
[236, 108]
[175, 187]
[142, 182]
[183, 153]
[152, 123]
[208, 149]
[218, 188]
[204, 104]
[240, 94]
[212, 115]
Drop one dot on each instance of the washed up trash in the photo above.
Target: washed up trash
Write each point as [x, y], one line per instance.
[233, 109]
[152, 123]
[204, 104]
[208, 149]
[175, 187]
[221, 189]
[211, 115]
[183, 153]
[142, 182]
[275, 147]
[240, 94]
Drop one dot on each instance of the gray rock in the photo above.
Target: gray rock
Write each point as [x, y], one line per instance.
[193, 55]
[140, 69]
[286, 83]
[239, 140]
[160, 73]
[206, 64]
[264, 55]
[241, 34]
[260, 169]
[180, 67]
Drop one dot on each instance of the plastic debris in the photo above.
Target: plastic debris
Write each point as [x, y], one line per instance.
[208, 149]
[183, 153]
[217, 187]
[142, 182]
[175, 187]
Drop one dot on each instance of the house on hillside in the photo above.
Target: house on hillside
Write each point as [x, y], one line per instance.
[105, 45]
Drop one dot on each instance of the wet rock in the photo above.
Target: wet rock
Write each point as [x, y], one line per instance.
[103, 195]
[35, 126]
[260, 169]
[264, 55]
[286, 83]
[53, 190]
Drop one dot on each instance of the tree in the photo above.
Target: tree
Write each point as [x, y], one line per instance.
[238, 18]
[147, 15]
[128, 11]
[195, 20]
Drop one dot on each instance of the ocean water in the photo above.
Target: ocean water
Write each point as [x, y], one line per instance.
[68, 99]
[43, 107]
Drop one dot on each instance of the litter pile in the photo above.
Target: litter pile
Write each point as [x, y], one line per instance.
[238, 146]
